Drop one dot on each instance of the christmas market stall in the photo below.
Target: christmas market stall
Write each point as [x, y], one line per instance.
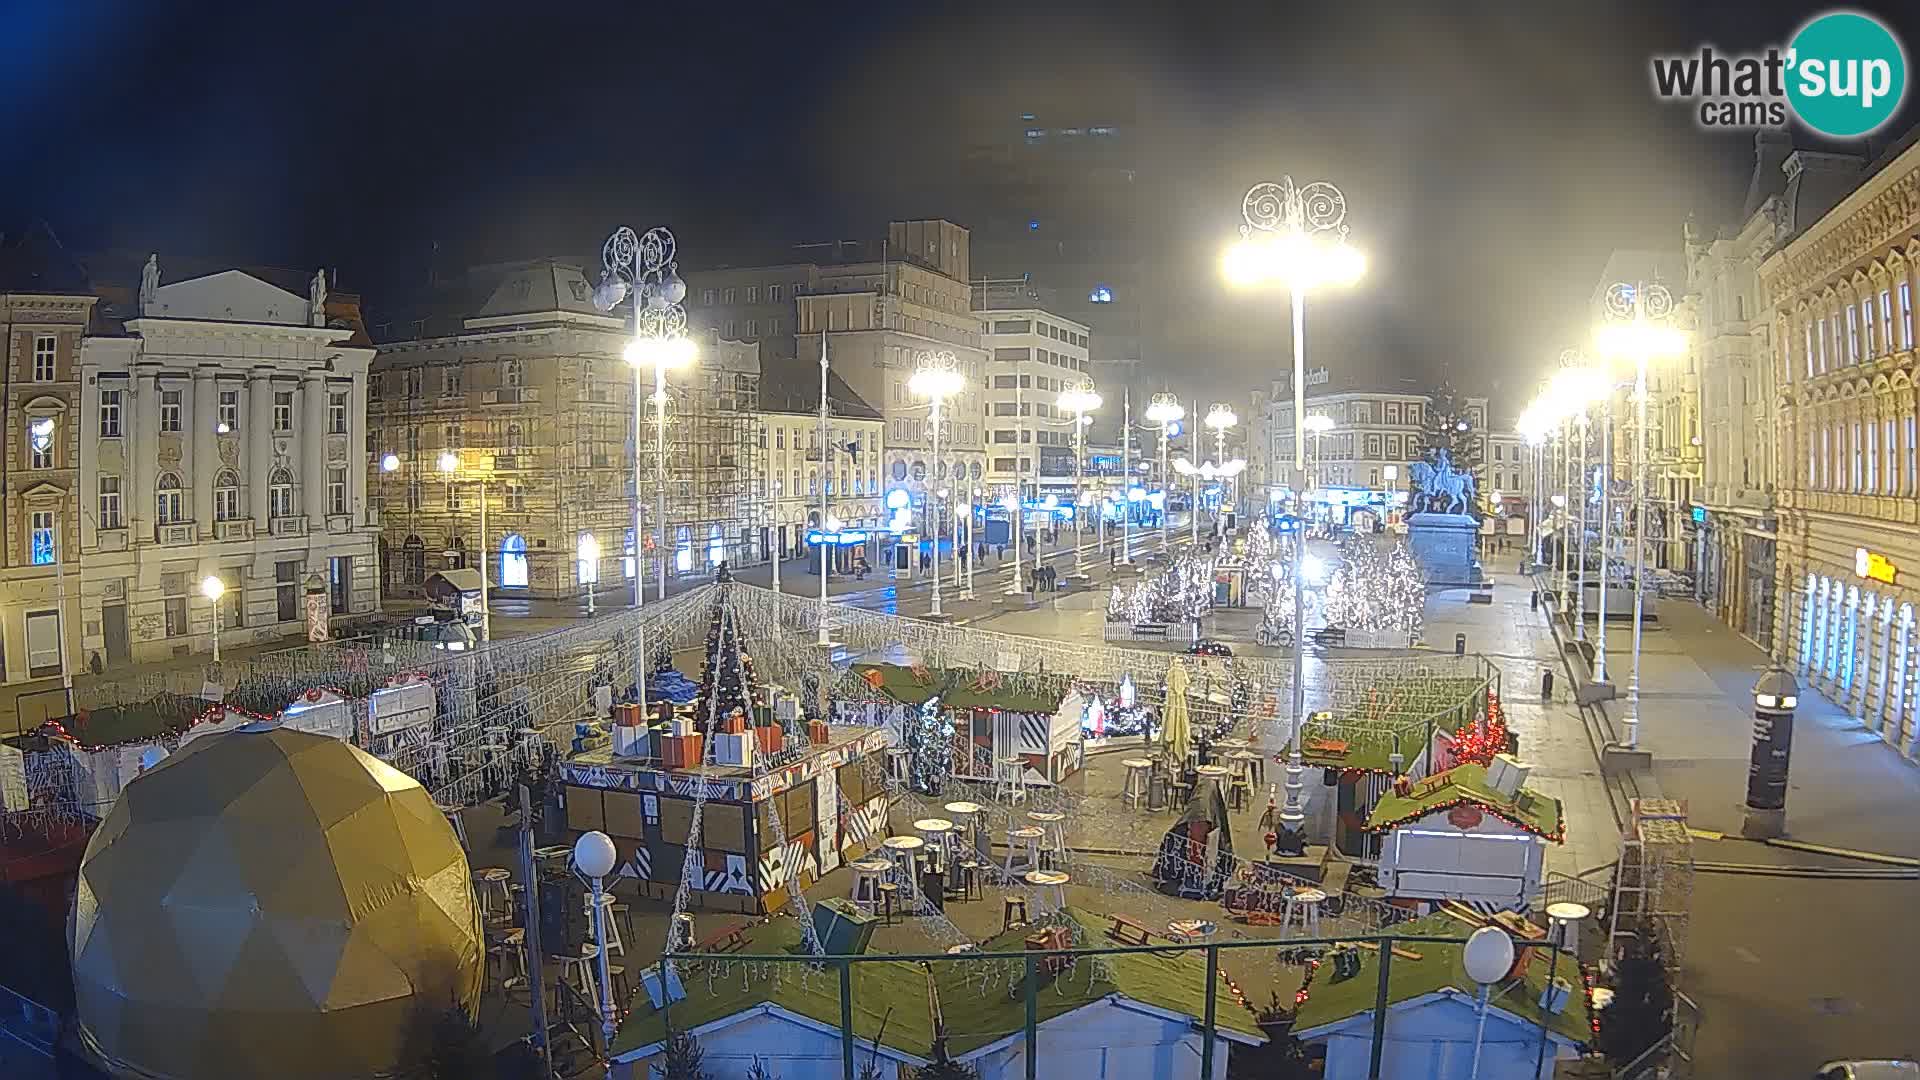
[1474, 833]
[1196, 854]
[960, 722]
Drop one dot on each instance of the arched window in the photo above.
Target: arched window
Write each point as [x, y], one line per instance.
[514, 438]
[511, 373]
[280, 493]
[168, 499]
[415, 555]
[226, 496]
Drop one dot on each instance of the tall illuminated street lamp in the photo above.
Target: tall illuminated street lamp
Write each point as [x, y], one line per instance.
[1079, 398]
[449, 468]
[1317, 426]
[589, 566]
[1219, 418]
[1165, 411]
[1295, 236]
[936, 377]
[1576, 388]
[1640, 332]
[213, 589]
[644, 266]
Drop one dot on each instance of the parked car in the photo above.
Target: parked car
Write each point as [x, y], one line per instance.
[1209, 647]
[1869, 1070]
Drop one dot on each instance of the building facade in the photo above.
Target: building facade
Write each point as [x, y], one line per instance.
[1032, 355]
[796, 467]
[45, 308]
[877, 317]
[535, 403]
[221, 433]
[1840, 296]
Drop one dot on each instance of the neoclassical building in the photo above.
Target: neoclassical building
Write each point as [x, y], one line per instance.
[1841, 294]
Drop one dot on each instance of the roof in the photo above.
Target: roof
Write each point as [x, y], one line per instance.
[786, 390]
[462, 579]
[541, 287]
[1438, 969]
[903, 685]
[896, 994]
[1464, 784]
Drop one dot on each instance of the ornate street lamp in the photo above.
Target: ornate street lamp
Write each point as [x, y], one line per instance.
[450, 467]
[1639, 329]
[936, 377]
[1165, 411]
[1079, 398]
[1295, 236]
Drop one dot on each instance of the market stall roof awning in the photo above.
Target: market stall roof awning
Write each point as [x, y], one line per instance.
[1526, 809]
[453, 582]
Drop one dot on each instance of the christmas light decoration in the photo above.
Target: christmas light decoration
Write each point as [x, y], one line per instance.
[1487, 736]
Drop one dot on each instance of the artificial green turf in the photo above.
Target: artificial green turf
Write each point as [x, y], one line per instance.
[900, 684]
[1438, 968]
[896, 993]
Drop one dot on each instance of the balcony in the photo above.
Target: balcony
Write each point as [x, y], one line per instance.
[287, 526]
[508, 462]
[112, 539]
[236, 529]
[339, 523]
[174, 534]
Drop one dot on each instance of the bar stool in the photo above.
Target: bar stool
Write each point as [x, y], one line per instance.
[889, 901]
[867, 876]
[1307, 902]
[490, 884]
[513, 958]
[972, 834]
[1010, 781]
[1049, 891]
[578, 972]
[1239, 792]
[1023, 844]
[970, 887]
[899, 770]
[1139, 777]
[614, 945]
[452, 814]
[1053, 840]
[905, 852]
[1009, 906]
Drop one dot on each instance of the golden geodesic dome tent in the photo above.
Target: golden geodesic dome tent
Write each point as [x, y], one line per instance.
[270, 902]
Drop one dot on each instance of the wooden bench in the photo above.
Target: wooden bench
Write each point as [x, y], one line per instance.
[730, 940]
[1127, 932]
[1328, 636]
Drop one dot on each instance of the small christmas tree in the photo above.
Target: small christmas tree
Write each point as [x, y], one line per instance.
[1641, 1013]
[726, 673]
[682, 1059]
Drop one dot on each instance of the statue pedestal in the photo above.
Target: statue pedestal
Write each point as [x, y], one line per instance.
[1443, 545]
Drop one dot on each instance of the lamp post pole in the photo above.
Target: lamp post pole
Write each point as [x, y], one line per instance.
[1606, 533]
[1165, 410]
[933, 491]
[1580, 573]
[937, 375]
[1193, 508]
[823, 639]
[1126, 477]
[967, 556]
[660, 465]
[1566, 512]
[639, 516]
[1298, 218]
[1019, 515]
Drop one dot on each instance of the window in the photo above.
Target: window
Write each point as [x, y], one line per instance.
[1866, 329]
[110, 502]
[1887, 341]
[41, 526]
[414, 379]
[729, 296]
[414, 494]
[283, 410]
[44, 346]
[110, 414]
[753, 294]
[1890, 475]
[169, 410]
[450, 381]
[773, 294]
[168, 507]
[1809, 329]
[515, 497]
[280, 494]
[286, 590]
[511, 372]
[337, 413]
[1873, 457]
[336, 491]
[1820, 329]
[753, 328]
[732, 331]
[176, 609]
[779, 438]
[450, 436]
[453, 496]
[40, 442]
[1912, 477]
[229, 411]
[1906, 315]
[707, 297]
[1854, 484]
[226, 496]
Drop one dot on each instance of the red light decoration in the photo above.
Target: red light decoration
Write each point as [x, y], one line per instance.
[1478, 744]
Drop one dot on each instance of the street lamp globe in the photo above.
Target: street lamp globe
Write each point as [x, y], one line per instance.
[936, 376]
[390, 463]
[589, 548]
[1220, 417]
[1079, 398]
[593, 854]
[212, 587]
[667, 354]
[1317, 424]
[449, 461]
[1165, 409]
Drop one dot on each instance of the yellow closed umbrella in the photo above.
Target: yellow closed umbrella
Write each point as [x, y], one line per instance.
[1176, 730]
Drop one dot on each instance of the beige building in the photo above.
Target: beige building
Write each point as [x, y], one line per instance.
[534, 399]
[1032, 355]
[797, 469]
[45, 307]
[1841, 298]
[223, 434]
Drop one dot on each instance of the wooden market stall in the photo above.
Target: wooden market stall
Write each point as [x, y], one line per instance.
[1473, 833]
[829, 798]
[994, 715]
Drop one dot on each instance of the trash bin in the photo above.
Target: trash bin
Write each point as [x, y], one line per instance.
[1546, 684]
[1534, 604]
[1459, 644]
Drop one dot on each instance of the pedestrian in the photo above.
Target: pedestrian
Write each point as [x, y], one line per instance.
[1113, 560]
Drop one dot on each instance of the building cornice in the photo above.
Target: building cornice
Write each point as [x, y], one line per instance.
[1874, 215]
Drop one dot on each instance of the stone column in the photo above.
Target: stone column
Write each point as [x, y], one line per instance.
[311, 434]
[259, 464]
[140, 430]
[206, 461]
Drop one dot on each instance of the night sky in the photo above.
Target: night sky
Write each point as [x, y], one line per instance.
[1491, 154]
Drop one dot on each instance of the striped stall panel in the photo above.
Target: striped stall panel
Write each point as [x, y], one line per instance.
[865, 824]
[1034, 732]
[778, 865]
[639, 866]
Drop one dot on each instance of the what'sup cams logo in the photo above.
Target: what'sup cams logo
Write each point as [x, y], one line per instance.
[1843, 75]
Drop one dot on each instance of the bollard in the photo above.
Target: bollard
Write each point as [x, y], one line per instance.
[1775, 697]
[1459, 644]
[1534, 604]
[1546, 684]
